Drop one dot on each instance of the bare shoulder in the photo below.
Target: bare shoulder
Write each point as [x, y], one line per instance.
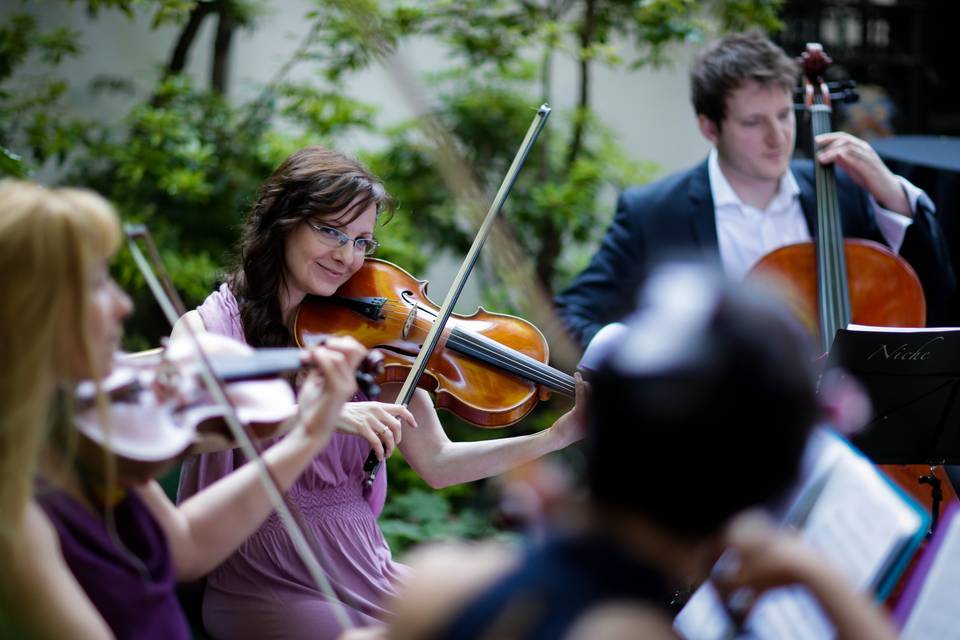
[622, 621]
[444, 577]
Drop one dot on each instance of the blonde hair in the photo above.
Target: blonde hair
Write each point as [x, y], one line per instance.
[50, 243]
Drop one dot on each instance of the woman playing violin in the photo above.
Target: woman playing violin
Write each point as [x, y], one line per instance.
[308, 233]
[88, 553]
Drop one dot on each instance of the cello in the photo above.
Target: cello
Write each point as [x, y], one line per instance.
[833, 281]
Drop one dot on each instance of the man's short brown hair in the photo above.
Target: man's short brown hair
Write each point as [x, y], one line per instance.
[726, 64]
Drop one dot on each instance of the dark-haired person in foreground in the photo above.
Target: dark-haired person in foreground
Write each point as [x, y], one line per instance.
[748, 198]
[703, 376]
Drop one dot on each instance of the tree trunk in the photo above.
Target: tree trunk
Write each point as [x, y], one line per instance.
[551, 246]
[178, 59]
[586, 39]
[547, 259]
[221, 50]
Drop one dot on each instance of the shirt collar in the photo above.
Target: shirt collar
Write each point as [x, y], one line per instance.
[724, 195]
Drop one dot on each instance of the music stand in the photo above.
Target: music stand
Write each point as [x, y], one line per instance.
[913, 379]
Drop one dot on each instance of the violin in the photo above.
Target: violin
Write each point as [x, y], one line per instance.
[158, 410]
[832, 282]
[489, 369]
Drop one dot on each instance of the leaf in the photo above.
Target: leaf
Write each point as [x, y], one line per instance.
[11, 164]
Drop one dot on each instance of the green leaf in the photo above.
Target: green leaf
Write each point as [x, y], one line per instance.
[11, 164]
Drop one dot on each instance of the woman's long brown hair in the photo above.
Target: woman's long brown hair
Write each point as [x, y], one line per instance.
[314, 182]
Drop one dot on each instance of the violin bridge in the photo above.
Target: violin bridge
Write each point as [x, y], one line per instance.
[408, 322]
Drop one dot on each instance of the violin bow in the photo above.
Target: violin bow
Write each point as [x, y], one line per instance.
[173, 308]
[372, 464]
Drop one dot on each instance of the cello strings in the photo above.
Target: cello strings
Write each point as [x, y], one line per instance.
[833, 291]
[839, 271]
[825, 288]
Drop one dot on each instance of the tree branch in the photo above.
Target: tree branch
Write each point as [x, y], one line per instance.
[178, 58]
[583, 103]
[226, 26]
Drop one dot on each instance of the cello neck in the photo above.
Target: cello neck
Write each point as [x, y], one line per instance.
[833, 296]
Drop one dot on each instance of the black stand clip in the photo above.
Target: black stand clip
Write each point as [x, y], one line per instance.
[936, 493]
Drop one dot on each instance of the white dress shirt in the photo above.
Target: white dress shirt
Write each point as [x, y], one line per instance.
[746, 234]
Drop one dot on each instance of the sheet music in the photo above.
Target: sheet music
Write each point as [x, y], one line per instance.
[703, 617]
[867, 327]
[791, 613]
[935, 612]
[844, 526]
[846, 510]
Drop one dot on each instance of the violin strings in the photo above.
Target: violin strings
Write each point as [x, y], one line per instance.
[492, 352]
[516, 362]
[511, 360]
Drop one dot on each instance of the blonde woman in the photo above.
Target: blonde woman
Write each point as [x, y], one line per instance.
[67, 574]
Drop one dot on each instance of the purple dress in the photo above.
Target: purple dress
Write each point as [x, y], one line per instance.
[263, 590]
[133, 588]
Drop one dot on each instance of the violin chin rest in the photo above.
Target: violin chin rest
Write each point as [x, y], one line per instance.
[144, 431]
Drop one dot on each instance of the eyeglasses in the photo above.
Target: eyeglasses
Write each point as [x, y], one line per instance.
[336, 238]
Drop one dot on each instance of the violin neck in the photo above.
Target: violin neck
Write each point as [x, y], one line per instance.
[263, 363]
[519, 364]
[832, 290]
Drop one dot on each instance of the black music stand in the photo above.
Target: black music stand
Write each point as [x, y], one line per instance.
[913, 379]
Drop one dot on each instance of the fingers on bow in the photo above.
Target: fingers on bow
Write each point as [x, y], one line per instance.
[384, 433]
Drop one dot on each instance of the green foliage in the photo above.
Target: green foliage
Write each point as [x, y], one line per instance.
[188, 166]
[415, 513]
[498, 50]
[164, 10]
[34, 125]
[420, 515]
[11, 164]
[548, 201]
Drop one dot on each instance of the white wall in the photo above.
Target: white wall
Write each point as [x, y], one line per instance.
[648, 110]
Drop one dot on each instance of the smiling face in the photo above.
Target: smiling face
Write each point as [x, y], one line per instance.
[755, 140]
[313, 267]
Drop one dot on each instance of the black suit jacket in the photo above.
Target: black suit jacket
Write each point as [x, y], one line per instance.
[674, 217]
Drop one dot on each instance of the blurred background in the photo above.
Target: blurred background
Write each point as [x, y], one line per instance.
[177, 110]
